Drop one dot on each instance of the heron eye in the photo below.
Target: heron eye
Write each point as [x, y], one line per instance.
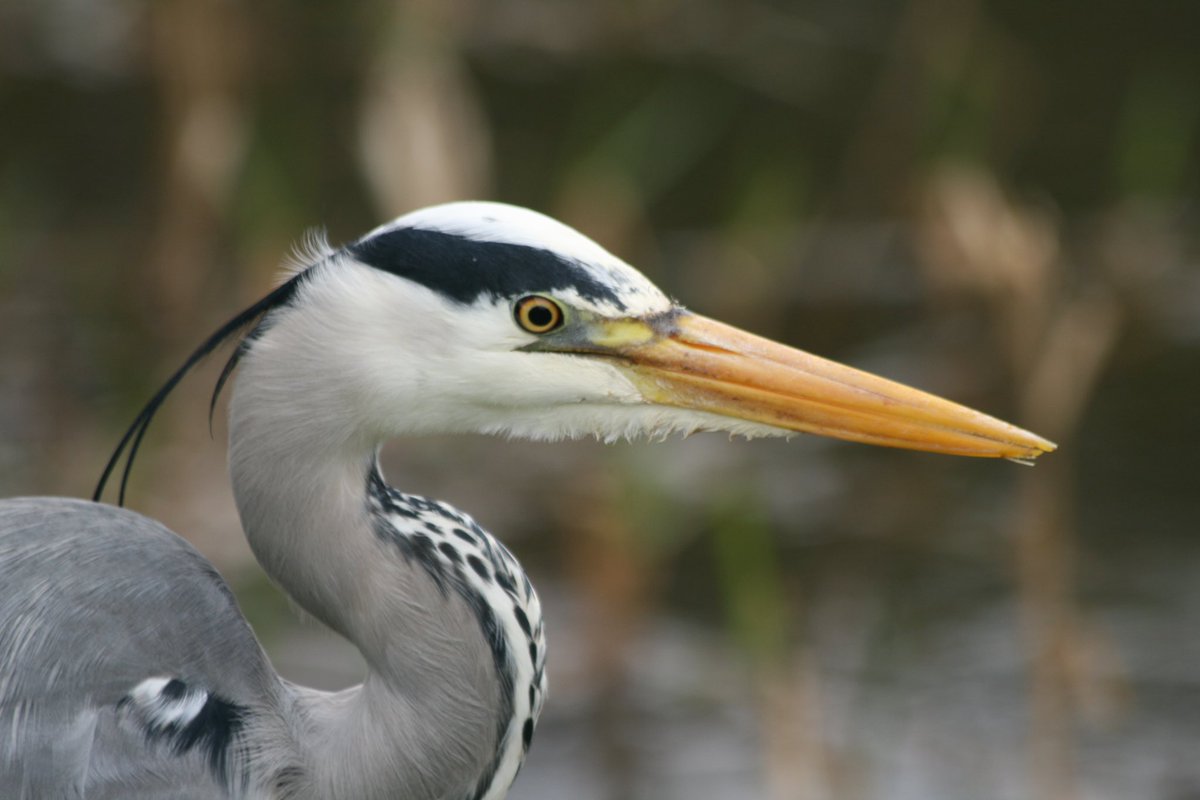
[538, 314]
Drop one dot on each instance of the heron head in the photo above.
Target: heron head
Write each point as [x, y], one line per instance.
[484, 317]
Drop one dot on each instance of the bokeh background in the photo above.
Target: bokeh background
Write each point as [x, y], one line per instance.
[992, 199]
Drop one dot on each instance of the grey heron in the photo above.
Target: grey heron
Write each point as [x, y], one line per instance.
[126, 667]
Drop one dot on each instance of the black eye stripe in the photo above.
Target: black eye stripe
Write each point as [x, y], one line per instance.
[462, 268]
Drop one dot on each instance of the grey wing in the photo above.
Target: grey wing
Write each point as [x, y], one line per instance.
[126, 668]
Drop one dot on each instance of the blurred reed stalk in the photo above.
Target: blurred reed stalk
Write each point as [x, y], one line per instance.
[199, 56]
[614, 572]
[423, 135]
[1054, 339]
[761, 615]
[200, 59]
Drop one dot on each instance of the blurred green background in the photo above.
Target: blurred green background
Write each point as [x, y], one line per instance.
[995, 200]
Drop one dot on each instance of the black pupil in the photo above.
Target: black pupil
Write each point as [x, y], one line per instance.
[540, 316]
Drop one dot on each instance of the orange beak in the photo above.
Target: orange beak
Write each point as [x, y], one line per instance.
[689, 361]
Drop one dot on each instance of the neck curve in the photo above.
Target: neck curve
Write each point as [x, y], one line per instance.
[423, 724]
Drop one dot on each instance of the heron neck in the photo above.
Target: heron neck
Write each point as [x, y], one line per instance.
[423, 724]
[301, 500]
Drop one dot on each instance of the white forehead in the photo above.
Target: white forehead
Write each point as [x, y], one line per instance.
[500, 222]
[486, 221]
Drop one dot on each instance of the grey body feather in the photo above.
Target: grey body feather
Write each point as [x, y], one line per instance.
[96, 600]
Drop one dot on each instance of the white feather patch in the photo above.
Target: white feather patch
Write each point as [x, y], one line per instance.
[163, 711]
[312, 249]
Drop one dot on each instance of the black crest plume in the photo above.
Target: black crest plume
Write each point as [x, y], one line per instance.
[132, 439]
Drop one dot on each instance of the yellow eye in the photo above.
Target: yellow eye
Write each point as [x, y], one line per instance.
[538, 314]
